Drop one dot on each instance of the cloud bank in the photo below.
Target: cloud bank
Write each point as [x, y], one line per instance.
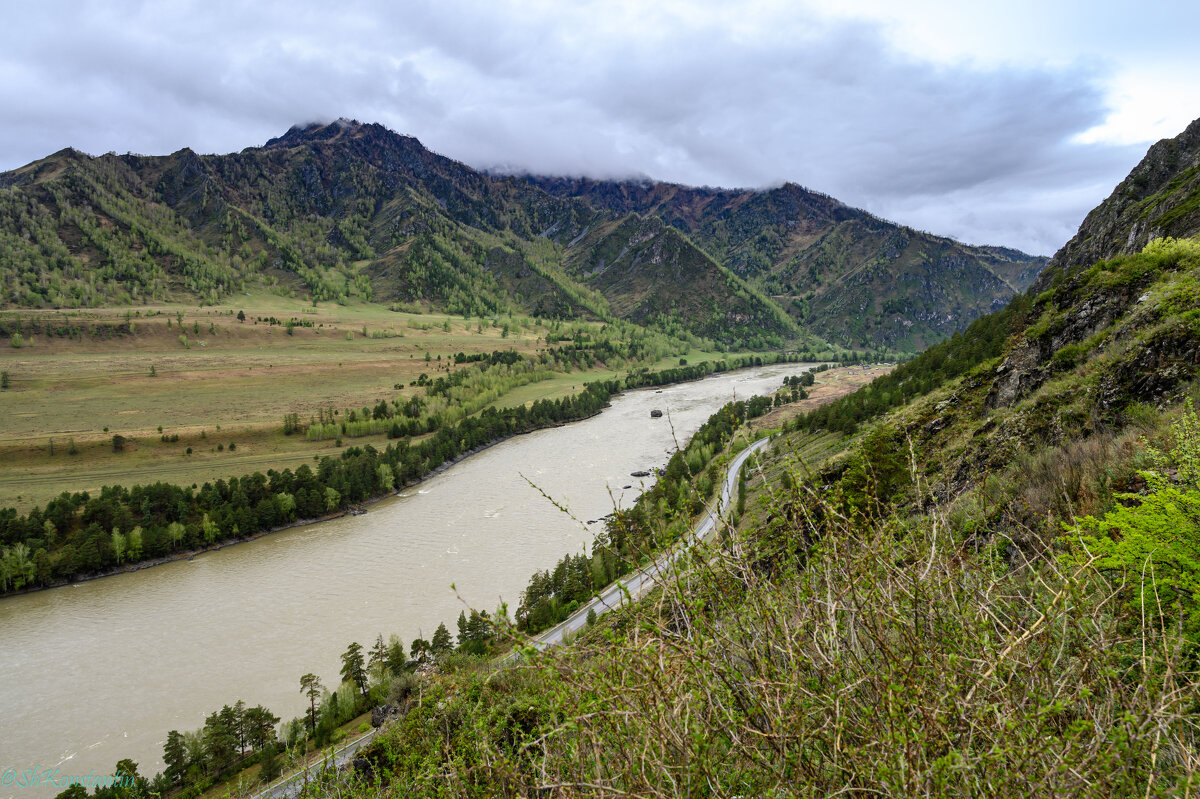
[751, 95]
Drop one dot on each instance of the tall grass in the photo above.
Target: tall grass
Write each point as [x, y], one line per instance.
[875, 655]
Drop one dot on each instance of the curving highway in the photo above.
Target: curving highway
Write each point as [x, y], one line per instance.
[646, 577]
[633, 585]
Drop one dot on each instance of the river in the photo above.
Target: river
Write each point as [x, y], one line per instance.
[98, 671]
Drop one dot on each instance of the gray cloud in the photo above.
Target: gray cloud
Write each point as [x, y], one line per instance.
[699, 95]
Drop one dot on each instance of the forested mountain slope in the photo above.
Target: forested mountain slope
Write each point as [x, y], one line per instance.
[652, 273]
[349, 210]
[851, 276]
[333, 212]
[308, 211]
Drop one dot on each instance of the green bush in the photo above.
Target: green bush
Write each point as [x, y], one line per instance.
[1150, 539]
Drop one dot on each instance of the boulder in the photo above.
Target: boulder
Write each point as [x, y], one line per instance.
[383, 714]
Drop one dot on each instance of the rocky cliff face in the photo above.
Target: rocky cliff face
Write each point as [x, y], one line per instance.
[1100, 339]
[1080, 299]
[1160, 197]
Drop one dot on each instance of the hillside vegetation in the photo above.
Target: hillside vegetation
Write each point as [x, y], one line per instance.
[341, 212]
[988, 590]
[851, 277]
[350, 212]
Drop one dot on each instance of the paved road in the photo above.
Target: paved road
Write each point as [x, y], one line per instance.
[290, 787]
[634, 584]
[645, 578]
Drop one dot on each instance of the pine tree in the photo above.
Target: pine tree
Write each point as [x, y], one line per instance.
[310, 686]
[220, 739]
[441, 642]
[395, 658]
[463, 636]
[378, 656]
[175, 757]
[259, 726]
[271, 766]
[353, 669]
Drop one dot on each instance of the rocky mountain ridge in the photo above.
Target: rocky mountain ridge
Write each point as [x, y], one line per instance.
[851, 276]
[1160, 197]
[350, 210]
[1094, 346]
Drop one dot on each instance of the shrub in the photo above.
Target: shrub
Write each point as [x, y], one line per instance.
[1150, 540]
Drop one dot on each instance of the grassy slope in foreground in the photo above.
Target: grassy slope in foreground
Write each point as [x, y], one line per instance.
[910, 617]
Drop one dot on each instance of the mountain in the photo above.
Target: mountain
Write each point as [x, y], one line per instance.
[1105, 339]
[307, 212]
[1160, 197]
[650, 272]
[1119, 292]
[850, 276]
[332, 211]
[350, 210]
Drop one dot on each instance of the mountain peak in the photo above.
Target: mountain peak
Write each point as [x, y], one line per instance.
[44, 168]
[311, 132]
[1159, 198]
[339, 130]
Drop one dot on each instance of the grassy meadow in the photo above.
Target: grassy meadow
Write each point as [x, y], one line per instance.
[225, 391]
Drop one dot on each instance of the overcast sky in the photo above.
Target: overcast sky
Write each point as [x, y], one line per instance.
[993, 122]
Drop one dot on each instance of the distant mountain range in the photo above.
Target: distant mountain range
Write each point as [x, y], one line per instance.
[350, 210]
[850, 276]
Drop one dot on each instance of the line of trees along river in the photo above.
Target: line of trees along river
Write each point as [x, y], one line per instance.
[78, 535]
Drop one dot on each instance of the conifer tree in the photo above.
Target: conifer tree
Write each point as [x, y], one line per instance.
[310, 686]
[353, 669]
[441, 642]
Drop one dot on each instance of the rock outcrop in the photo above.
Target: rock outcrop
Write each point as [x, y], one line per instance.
[1160, 197]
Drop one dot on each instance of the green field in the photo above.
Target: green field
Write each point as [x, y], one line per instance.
[127, 372]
